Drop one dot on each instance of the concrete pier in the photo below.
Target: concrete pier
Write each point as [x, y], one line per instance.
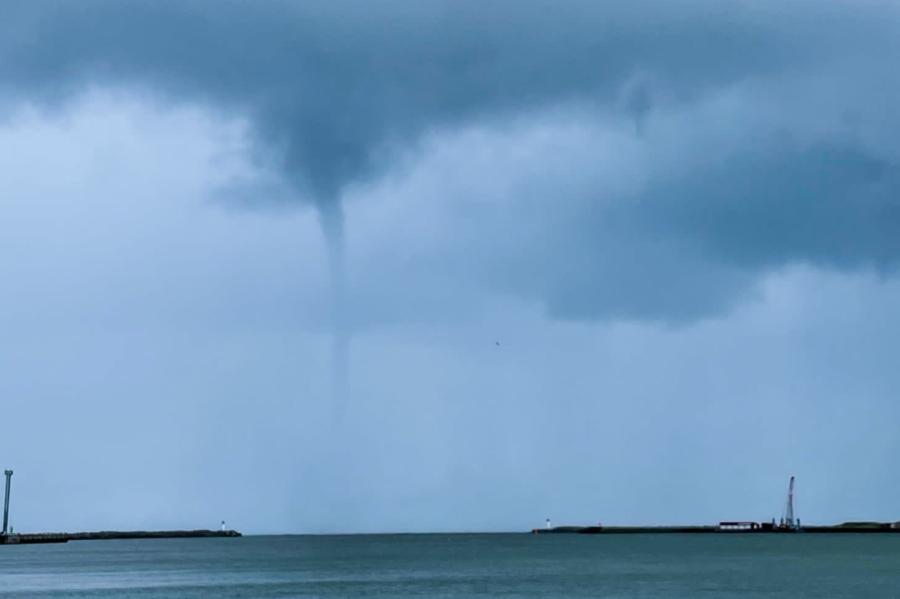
[65, 537]
[847, 527]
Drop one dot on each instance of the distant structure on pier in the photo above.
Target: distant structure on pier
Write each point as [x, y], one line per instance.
[8, 474]
[8, 537]
[789, 521]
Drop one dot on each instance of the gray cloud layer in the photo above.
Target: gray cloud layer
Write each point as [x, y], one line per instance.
[330, 85]
[335, 90]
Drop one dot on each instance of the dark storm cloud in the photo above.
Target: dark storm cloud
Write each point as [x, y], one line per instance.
[694, 244]
[826, 205]
[328, 84]
[333, 88]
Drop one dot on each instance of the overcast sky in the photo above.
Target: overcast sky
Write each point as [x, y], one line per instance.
[448, 265]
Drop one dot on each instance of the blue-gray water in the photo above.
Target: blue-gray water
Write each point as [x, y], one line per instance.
[522, 565]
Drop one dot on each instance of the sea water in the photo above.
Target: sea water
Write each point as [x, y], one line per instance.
[442, 565]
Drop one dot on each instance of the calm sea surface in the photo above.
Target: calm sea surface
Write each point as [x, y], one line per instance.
[522, 565]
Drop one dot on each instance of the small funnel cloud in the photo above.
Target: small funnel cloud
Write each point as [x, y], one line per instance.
[331, 218]
[638, 102]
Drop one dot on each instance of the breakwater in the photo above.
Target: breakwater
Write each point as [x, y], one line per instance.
[65, 537]
[725, 528]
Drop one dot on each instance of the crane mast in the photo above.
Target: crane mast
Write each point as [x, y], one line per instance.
[789, 520]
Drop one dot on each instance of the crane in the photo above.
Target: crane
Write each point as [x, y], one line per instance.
[789, 520]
